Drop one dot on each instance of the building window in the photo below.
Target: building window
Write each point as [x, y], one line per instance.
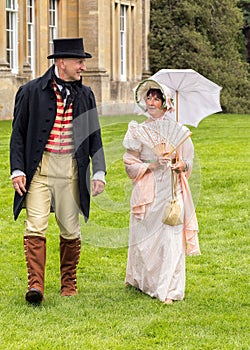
[53, 22]
[31, 35]
[12, 35]
[123, 33]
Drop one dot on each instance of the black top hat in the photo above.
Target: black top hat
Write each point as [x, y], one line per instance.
[69, 48]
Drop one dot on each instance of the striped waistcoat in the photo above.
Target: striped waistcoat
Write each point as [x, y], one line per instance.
[60, 139]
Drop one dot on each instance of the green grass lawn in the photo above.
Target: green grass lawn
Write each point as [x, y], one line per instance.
[106, 314]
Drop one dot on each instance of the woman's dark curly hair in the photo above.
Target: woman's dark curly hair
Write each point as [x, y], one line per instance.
[156, 92]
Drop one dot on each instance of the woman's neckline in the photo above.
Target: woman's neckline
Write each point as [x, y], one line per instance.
[152, 119]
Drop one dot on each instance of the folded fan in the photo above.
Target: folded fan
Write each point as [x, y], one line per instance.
[163, 136]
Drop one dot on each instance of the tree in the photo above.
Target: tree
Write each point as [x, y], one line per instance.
[245, 7]
[203, 36]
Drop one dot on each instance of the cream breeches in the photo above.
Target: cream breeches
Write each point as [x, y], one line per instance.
[54, 186]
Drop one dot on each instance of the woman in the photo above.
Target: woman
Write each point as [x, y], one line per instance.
[156, 254]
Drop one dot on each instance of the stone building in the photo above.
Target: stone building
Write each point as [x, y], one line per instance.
[115, 33]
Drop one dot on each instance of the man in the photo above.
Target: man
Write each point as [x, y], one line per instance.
[55, 134]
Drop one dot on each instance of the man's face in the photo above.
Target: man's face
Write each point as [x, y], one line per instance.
[70, 69]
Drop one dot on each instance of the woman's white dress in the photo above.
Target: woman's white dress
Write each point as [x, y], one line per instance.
[156, 253]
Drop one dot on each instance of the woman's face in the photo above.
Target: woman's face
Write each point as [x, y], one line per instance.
[154, 104]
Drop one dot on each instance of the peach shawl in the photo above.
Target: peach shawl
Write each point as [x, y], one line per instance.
[143, 184]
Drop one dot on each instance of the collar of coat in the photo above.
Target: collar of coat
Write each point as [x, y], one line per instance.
[47, 78]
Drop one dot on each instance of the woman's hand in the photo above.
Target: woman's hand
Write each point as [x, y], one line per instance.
[162, 160]
[180, 166]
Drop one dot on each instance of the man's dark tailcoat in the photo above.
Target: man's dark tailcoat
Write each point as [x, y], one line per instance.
[34, 116]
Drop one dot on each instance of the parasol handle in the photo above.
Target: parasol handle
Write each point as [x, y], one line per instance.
[177, 117]
[176, 109]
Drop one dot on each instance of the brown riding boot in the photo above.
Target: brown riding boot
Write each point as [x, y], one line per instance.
[69, 256]
[35, 254]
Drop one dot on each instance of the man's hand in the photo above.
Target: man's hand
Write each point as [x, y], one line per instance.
[97, 187]
[19, 183]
